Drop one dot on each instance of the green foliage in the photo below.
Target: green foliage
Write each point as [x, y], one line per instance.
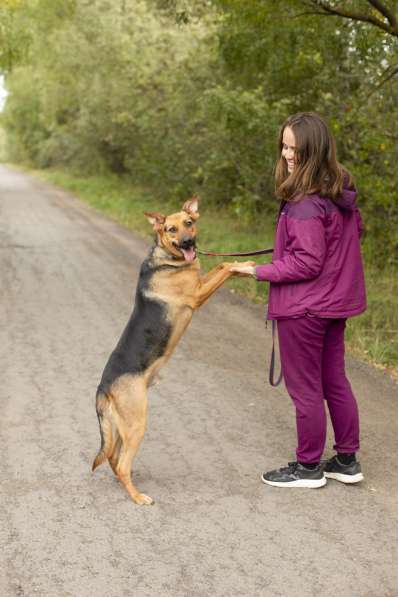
[184, 97]
[238, 168]
[3, 151]
[375, 334]
[13, 34]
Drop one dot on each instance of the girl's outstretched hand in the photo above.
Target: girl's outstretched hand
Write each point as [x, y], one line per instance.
[244, 268]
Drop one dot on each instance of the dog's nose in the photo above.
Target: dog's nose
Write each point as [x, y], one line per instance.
[187, 242]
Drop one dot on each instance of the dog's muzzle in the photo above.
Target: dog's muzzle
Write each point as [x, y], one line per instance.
[188, 248]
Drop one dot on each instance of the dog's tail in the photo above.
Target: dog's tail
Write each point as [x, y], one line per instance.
[105, 420]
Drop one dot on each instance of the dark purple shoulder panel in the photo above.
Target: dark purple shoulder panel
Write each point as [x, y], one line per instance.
[310, 206]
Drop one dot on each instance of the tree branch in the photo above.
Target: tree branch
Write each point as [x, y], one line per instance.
[386, 12]
[326, 9]
[388, 74]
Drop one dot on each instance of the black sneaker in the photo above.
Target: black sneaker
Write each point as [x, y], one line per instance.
[295, 475]
[346, 473]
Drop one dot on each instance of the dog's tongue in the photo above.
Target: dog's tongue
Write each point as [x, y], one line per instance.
[189, 254]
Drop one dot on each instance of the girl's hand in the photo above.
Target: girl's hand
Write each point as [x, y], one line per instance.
[245, 268]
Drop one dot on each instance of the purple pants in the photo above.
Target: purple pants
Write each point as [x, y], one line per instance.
[312, 357]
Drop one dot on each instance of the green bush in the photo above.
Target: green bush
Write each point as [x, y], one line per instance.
[192, 100]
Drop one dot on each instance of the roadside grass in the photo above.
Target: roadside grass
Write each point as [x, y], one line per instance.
[3, 143]
[372, 337]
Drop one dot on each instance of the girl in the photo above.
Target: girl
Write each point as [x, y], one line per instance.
[317, 281]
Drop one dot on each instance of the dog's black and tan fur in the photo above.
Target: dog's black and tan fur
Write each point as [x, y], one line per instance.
[169, 290]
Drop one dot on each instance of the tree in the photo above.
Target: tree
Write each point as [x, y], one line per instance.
[195, 103]
[377, 13]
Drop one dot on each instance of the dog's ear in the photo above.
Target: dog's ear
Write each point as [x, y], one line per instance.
[156, 219]
[192, 207]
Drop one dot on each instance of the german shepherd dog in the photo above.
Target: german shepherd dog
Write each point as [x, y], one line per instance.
[169, 290]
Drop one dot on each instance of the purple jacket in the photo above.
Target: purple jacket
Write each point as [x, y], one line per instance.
[317, 265]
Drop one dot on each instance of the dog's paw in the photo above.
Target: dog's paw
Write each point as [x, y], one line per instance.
[144, 500]
[226, 265]
[155, 381]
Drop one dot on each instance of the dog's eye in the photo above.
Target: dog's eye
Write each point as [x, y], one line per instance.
[188, 223]
[172, 229]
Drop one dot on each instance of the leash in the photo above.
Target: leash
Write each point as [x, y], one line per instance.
[248, 254]
[271, 376]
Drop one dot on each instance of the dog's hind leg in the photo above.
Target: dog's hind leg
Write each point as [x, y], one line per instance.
[131, 405]
[106, 425]
[114, 457]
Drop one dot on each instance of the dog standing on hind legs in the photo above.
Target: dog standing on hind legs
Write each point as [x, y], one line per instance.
[169, 290]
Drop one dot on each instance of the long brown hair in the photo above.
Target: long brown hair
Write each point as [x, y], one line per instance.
[316, 169]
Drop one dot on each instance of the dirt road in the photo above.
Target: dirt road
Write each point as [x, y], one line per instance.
[67, 281]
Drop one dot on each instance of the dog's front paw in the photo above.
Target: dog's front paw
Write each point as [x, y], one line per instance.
[243, 268]
[227, 265]
[144, 500]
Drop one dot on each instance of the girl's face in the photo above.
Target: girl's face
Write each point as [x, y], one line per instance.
[289, 148]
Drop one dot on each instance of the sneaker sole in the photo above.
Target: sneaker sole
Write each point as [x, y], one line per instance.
[309, 483]
[345, 478]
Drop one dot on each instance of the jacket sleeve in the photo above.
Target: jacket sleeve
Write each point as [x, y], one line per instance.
[307, 250]
[359, 222]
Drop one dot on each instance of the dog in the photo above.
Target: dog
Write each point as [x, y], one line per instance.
[170, 288]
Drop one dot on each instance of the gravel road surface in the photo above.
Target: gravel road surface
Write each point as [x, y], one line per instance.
[68, 278]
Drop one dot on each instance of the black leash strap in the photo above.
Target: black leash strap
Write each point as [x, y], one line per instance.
[272, 363]
[248, 254]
